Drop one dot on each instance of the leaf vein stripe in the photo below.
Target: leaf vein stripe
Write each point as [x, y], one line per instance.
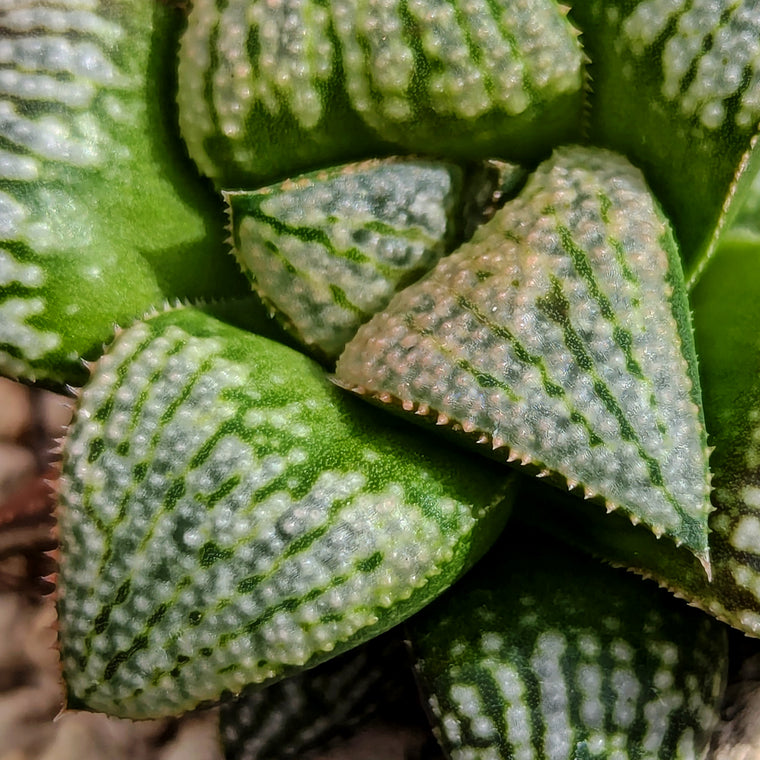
[552, 388]
[556, 306]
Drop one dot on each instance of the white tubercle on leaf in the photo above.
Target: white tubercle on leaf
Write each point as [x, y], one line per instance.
[562, 331]
[228, 516]
[711, 57]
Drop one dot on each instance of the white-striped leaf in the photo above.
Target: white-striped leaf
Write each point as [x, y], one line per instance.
[101, 215]
[328, 250]
[676, 88]
[267, 90]
[726, 317]
[228, 516]
[560, 336]
[543, 654]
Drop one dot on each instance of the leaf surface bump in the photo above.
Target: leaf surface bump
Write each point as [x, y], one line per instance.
[228, 516]
[561, 331]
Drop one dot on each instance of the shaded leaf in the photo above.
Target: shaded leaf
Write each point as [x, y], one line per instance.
[311, 709]
[542, 653]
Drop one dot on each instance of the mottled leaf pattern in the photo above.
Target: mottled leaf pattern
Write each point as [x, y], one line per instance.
[543, 655]
[267, 89]
[228, 516]
[92, 231]
[329, 249]
[561, 332]
[676, 87]
[727, 312]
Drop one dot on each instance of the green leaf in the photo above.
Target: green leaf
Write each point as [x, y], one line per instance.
[267, 90]
[542, 653]
[675, 86]
[726, 315]
[329, 249]
[561, 332]
[101, 214]
[228, 516]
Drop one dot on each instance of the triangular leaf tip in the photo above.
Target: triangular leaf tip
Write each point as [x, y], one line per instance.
[562, 330]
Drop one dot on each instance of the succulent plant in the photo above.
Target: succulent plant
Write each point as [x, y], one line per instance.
[229, 517]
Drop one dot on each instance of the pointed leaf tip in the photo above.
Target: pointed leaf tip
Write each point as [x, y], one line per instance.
[563, 330]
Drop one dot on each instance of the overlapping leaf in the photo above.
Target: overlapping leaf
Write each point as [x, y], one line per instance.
[542, 653]
[228, 516]
[726, 313]
[676, 88]
[101, 214]
[561, 334]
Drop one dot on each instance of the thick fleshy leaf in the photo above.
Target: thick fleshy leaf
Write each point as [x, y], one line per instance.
[543, 653]
[561, 332]
[726, 317]
[228, 516]
[328, 250]
[101, 214]
[267, 90]
[676, 87]
[311, 709]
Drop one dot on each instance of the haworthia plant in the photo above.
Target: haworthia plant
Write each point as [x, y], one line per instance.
[330, 249]
[228, 516]
[727, 311]
[561, 334]
[676, 87]
[101, 216]
[313, 708]
[541, 654]
[266, 89]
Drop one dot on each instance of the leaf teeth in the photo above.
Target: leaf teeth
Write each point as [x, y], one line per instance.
[554, 341]
[704, 560]
[346, 475]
